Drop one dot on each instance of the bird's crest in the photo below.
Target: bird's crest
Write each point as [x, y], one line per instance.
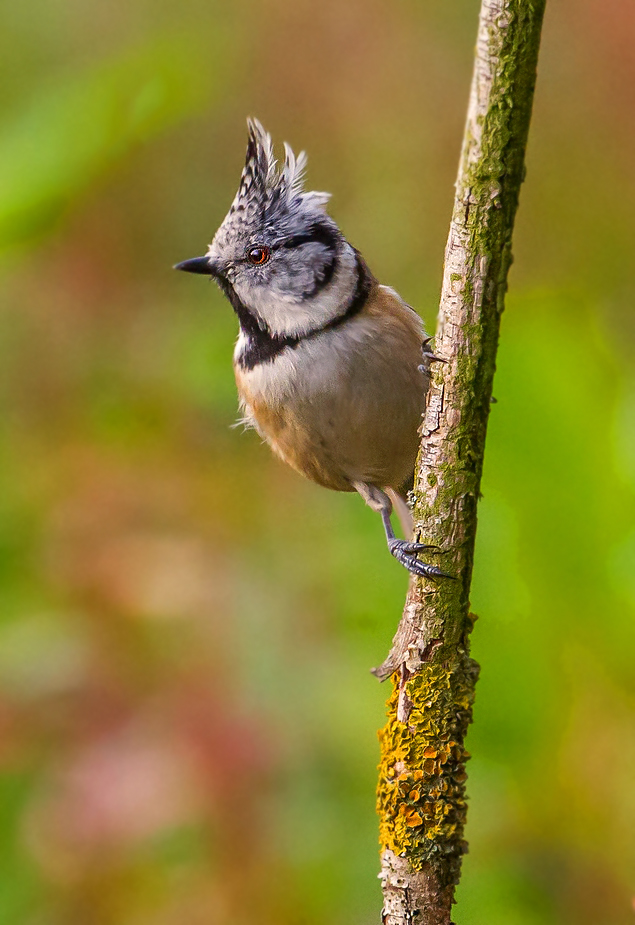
[269, 188]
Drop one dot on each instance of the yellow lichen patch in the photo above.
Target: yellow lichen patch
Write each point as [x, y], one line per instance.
[423, 762]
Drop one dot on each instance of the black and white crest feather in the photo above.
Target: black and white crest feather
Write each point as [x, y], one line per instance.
[266, 192]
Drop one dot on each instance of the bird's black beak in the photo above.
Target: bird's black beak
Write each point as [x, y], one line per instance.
[201, 265]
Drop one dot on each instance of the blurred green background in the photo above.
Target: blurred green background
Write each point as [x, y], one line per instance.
[187, 718]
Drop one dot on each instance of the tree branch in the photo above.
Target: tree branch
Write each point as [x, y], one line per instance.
[421, 793]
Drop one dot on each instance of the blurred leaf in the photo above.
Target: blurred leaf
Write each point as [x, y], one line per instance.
[74, 133]
[21, 890]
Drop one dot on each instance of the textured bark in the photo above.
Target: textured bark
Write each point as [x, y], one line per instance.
[421, 793]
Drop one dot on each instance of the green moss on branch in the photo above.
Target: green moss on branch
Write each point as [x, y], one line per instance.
[421, 794]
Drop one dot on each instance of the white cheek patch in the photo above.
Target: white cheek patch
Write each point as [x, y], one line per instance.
[287, 316]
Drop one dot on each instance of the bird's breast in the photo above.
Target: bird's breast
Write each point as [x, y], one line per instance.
[344, 405]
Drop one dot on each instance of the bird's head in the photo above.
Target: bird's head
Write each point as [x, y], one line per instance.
[281, 260]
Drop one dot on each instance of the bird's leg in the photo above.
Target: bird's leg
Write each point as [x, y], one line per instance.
[403, 550]
[403, 512]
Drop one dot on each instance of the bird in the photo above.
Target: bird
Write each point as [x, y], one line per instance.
[332, 368]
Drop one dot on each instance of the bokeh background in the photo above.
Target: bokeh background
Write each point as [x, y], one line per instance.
[187, 719]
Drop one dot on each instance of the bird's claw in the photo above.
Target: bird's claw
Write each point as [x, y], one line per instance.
[406, 554]
[413, 548]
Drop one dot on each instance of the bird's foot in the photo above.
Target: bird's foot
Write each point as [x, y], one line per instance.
[406, 553]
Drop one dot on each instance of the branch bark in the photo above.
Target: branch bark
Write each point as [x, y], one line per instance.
[421, 793]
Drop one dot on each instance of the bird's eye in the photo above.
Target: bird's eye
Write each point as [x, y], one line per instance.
[258, 255]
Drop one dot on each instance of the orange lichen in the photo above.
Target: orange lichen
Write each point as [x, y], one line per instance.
[413, 819]
[427, 751]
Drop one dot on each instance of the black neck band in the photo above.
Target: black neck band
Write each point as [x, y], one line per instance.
[263, 346]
